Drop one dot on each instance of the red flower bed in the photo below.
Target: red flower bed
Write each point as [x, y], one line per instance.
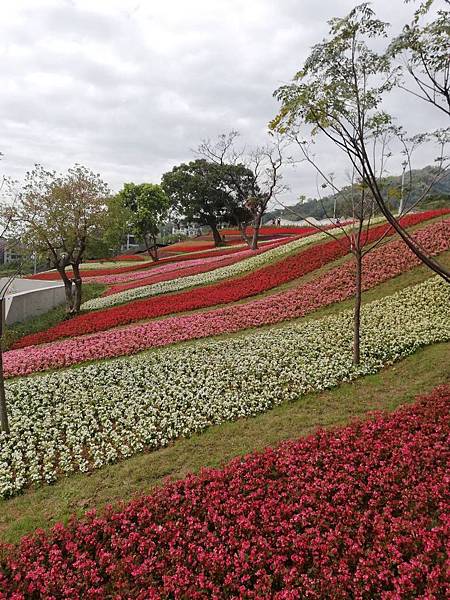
[190, 246]
[130, 257]
[222, 292]
[275, 230]
[54, 275]
[356, 512]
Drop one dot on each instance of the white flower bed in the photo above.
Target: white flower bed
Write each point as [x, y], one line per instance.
[83, 418]
[239, 268]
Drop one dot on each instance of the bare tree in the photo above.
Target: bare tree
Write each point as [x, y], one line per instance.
[357, 202]
[252, 178]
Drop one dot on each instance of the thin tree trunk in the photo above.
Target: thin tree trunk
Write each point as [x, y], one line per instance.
[4, 424]
[76, 303]
[243, 230]
[357, 309]
[256, 228]
[152, 249]
[216, 235]
[68, 289]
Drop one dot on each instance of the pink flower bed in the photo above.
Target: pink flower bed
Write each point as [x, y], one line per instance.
[334, 286]
[357, 512]
[136, 257]
[54, 275]
[164, 268]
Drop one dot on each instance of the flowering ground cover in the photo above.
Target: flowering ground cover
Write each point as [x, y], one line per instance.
[164, 268]
[194, 244]
[275, 230]
[192, 267]
[222, 292]
[54, 275]
[333, 286]
[127, 257]
[276, 273]
[80, 419]
[185, 264]
[356, 512]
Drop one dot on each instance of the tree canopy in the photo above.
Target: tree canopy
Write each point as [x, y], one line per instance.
[147, 208]
[424, 48]
[57, 215]
[339, 94]
[196, 192]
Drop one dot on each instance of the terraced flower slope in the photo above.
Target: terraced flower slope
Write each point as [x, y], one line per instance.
[336, 285]
[79, 419]
[268, 277]
[358, 512]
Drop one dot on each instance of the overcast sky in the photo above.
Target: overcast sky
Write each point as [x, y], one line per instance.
[129, 87]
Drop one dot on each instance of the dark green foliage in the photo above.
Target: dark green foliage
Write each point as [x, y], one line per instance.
[147, 207]
[197, 193]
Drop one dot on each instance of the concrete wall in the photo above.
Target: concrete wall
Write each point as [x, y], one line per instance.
[27, 298]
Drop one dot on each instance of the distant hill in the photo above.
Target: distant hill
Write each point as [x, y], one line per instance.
[438, 196]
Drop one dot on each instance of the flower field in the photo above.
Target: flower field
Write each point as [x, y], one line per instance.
[130, 257]
[334, 286]
[192, 267]
[275, 230]
[223, 292]
[80, 419]
[54, 275]
[290, 267]
[129, 268]
[164, 268]
[356, 512]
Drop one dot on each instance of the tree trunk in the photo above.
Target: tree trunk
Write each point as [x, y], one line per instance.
[77, 281]
[216, 235]
[256, 228]
[243, 231]
[357, 309]
[4, 424]
[68, 288]
[152, 249]
[421, 255]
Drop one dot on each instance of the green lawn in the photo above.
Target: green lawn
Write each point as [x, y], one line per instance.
[388, 389]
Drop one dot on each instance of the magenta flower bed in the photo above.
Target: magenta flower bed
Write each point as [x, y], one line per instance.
[134, 278]
[358, 512]
[334, 286]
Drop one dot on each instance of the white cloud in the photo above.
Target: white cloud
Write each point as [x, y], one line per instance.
[128, 87]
